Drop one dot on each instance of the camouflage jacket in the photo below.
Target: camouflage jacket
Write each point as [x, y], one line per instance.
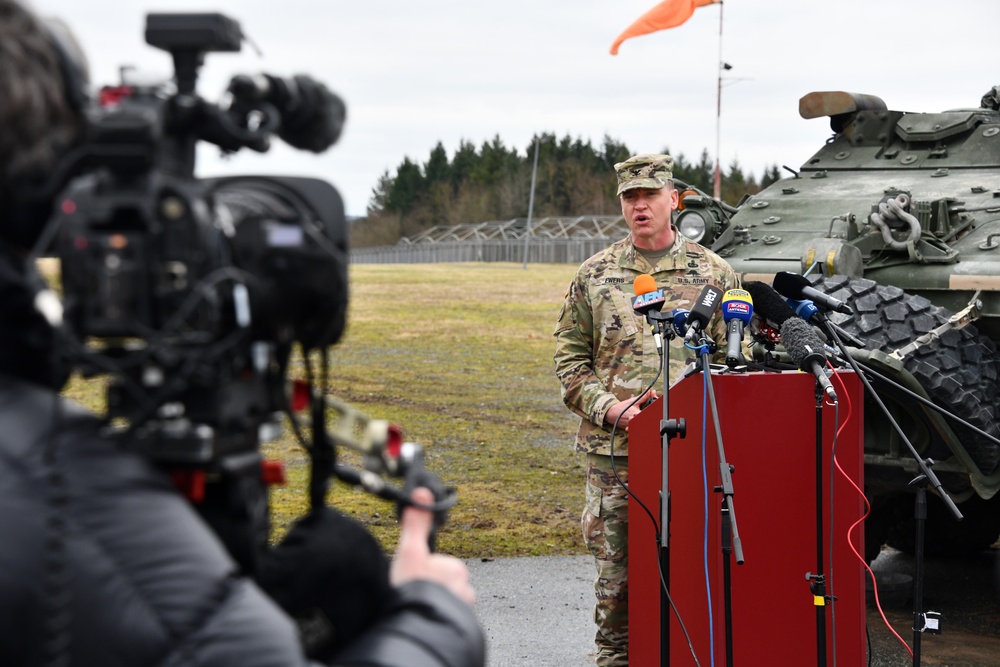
[605, 352]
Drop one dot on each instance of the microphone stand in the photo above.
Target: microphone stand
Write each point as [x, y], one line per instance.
[817, 581]
[668, 429]
[730, 538]
[921, 482]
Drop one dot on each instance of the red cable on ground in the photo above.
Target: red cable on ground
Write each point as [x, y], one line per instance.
[850, 543]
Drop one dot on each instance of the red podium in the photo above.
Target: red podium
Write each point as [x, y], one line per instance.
[769, 429]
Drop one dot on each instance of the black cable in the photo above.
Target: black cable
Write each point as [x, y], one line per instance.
[868, 641]
[830, 537]
[179, 379]
[119, 366]
[656, 526]
[614, 468]
[666, 591]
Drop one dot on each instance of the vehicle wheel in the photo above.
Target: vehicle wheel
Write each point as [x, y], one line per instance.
[959, 371]
[943, 535]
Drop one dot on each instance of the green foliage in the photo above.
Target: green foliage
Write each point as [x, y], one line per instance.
[437, 169]
[493, 182]
[771, 175]
[406, 188]
[696, 175]
[736, 183]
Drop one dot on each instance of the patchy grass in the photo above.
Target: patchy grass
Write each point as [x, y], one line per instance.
[460, 355]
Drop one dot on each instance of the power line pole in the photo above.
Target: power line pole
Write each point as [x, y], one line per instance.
[531, 205]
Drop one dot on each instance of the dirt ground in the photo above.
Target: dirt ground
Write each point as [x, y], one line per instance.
[965, 591]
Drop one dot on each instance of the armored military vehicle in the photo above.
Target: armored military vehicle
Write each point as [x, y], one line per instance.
[898, 215]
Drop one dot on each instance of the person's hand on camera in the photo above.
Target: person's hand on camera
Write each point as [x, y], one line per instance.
[414, 559]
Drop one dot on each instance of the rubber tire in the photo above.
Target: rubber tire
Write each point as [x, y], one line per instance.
[960, 371]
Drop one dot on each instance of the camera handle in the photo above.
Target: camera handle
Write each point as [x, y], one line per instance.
[336, 423]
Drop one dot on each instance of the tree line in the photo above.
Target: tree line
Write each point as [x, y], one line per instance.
[493, 182]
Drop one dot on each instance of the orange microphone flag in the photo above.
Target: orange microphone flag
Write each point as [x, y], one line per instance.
[668, 14]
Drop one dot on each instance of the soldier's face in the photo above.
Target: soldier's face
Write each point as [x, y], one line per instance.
[647, 213]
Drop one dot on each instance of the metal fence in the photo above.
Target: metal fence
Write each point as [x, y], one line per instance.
[549, 240]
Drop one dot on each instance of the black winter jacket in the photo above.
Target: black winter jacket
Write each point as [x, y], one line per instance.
[104, 563]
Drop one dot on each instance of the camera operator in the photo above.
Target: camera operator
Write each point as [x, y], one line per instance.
[102, 561]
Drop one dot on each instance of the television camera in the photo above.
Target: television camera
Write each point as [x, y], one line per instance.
[191, 294]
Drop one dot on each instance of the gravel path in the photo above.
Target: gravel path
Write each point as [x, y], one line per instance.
[538, 612]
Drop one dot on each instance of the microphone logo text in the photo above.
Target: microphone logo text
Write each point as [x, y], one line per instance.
[648, 298]
[709, 298]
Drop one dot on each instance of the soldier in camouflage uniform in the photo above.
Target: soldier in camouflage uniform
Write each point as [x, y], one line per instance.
[605, 356]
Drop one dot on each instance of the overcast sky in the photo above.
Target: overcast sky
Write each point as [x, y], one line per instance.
[415, 73]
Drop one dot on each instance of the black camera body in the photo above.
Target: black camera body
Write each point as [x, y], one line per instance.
[189, 293]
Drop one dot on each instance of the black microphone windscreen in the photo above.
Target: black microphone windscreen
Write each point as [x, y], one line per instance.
[801, 342]
[790, 284]
[319, 119]
[768, 304]
[706, 305]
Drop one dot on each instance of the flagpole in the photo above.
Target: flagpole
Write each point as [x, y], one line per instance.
[717, 181]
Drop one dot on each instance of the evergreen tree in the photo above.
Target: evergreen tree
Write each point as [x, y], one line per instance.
[406, 188]
[462, 164]
[376, 205]
[771, 175]
[437, 169]
[493, 183]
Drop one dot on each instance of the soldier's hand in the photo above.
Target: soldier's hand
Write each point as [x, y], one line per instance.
[627, 413]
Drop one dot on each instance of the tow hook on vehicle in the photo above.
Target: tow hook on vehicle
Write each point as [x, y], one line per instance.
[959, 320]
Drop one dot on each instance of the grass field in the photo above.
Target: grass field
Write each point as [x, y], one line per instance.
[460, 355]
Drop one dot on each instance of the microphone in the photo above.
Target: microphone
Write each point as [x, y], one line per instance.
[808, 311]
[647, 300]
[647, 296]
[737, 310]
[312, 117]
[768, 303]
[679, 318]
[804, 308]
[794, 286]
[806, 350]
[708, 302]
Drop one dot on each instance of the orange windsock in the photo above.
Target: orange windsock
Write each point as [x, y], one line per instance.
[644, 284]
[668, 14]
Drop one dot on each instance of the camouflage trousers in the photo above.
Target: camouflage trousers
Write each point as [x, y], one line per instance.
[605, 532]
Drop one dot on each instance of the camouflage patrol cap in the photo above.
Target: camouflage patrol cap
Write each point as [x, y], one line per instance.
[649, 170]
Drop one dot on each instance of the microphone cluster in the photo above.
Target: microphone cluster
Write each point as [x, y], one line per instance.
[785, 308]
[737, 308]
[801, 303]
